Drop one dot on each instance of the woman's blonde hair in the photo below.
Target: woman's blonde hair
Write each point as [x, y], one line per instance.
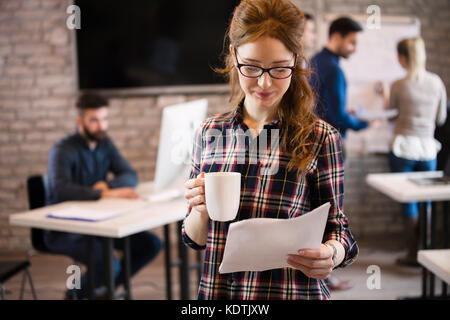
[413, 49]
[281, 20]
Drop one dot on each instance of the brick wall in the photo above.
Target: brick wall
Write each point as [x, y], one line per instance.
[37, 94]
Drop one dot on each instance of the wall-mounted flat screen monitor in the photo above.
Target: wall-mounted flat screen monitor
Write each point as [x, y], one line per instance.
[146, 43]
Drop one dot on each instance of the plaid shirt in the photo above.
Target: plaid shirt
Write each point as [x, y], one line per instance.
[278, 194]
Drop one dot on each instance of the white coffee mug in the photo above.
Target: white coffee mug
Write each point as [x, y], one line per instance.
[222, 194]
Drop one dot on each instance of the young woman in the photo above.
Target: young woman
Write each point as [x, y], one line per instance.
[421, 100]
[269, 91]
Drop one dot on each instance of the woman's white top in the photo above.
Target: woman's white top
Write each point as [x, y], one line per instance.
[421, 105]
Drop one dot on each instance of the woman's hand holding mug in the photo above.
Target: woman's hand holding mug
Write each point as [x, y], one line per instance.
[218, 191]
[195, 194]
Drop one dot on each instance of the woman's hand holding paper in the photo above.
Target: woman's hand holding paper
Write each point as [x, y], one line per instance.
[314, 263]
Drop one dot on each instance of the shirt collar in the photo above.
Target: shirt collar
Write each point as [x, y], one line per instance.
[331, 53]
[83, 141]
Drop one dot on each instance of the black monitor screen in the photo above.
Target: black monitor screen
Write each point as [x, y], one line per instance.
[144, 43]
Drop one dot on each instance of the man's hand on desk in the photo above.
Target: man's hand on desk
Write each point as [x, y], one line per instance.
[100, 185]
[127, 193]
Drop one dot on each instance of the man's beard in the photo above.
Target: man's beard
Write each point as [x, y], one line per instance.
[97, 136]
[343, 53]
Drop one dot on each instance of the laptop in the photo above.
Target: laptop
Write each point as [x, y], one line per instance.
[435, 181]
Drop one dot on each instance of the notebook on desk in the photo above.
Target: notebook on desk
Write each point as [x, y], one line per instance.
[83, 214]
[96, 211]
[435, 181]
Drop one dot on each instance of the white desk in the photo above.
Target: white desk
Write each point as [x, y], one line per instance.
[141, 215]
[398, 187]
[437, 261]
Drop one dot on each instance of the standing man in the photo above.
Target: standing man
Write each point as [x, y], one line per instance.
[77, 170]
[329, 80]
[309, 35]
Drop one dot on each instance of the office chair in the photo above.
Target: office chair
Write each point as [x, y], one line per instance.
[37, 187]
[8, 269]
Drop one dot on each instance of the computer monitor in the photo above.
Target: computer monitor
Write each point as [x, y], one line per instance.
[178, 126]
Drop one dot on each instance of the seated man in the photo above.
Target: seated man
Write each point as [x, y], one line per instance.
[77, 170]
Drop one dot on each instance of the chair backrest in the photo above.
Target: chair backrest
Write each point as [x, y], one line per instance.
[37, 193]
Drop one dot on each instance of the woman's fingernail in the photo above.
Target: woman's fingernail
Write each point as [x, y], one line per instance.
[301, 252]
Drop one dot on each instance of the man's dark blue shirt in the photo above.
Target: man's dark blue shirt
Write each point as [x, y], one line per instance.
[73, 168]
[328, 81]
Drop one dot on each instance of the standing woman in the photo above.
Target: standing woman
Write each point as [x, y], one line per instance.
[269, 90]
[421, 101]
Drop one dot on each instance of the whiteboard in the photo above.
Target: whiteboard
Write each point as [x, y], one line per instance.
[375, 59]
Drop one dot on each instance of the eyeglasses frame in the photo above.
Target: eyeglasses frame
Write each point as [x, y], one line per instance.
[239, 65]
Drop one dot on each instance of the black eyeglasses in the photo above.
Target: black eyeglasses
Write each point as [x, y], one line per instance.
[251, 71]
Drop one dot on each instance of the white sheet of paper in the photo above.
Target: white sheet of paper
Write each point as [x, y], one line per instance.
[262, 244]
[98, 210]
[82, 214]
[365, 115]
